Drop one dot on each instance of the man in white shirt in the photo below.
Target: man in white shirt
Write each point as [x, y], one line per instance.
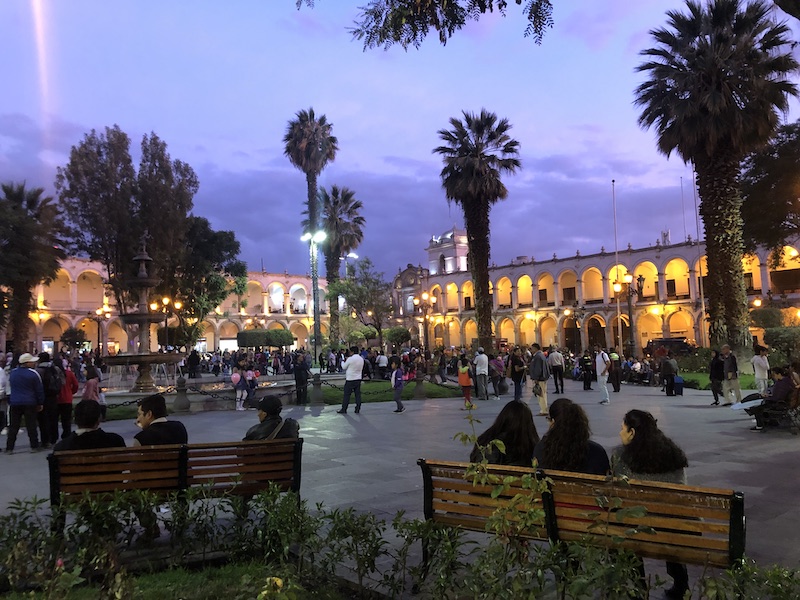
[602, 364]
[382, 362]
[556, 361]
[354, 373]
[761, 370]
[481, 362]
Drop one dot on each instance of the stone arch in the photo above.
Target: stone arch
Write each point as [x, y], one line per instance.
[57, 294]
[615, 274]
[255, 298]
[595, 330]
[548, 331]
[525, 292]
[299, 299]
[454, 333]
[751, 266]
[503, 292]
[452, 297]
[592, 281]
[91, 290]
[527, 330]
[209, 335]
[676, 279]
[786, 275]
[301, 335]
[546, 286]
[649, 271]
[680, 324]
[649, 326]
[275, 297]
[468, 291]
[568, 287]
[117, 335]
[470, 332]
[437, 298]
[52, 329]
[276, 325]
[507, 331]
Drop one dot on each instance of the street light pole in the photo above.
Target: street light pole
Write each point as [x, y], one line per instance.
[314, 239]
[633, 290]
[425, 304]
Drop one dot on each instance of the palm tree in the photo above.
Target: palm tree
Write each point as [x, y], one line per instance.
[342, 221]
[30, 252]
[310, 146]
[717, 83]
[476, 153]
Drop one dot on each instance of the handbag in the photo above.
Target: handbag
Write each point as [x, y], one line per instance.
[537, 389]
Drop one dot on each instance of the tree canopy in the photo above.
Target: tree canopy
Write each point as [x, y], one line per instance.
[367, 295]
[771, 191]
[383, 23]
[31, 252]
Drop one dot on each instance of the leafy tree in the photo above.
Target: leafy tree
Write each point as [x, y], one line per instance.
[398, 335]
[31, 231]
[165, 192]
[73, 338]
[280, 338]
[367, 295]
[784, 339]
[718, 80]
[383, 23]
[355, 337]
[408, 22]
[210, 260]
[342, 221]
[253, 338]
[96, 189]
[310, 146]
[476, 152]
[767, 317]
[771, 191]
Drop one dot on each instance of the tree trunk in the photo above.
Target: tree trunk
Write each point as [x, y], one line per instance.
[477, 224]
[720, 207]
[332, 276]
[313, 213]
[18, 317]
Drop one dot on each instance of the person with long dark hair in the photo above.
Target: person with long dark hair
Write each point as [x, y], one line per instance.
[647, 454]
[567, 445]
[514, 427]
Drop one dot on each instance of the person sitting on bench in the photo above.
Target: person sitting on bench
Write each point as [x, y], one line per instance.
[777, 397]
[88, 435]
[271, 426]
[156, 430]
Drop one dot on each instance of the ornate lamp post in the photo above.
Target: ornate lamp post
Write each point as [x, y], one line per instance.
[165, 308]
[101, 314]
[313, 240]
[633, 290]
[425, 304]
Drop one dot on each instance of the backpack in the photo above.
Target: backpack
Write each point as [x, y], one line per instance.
[55, 380]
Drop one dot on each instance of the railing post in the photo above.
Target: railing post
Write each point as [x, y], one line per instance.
[419, 390]
[181, 402]
[316, 389]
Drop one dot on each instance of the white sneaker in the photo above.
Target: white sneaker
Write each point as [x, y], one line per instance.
[5, 431]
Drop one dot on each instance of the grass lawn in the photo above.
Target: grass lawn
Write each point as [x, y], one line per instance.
[747, 382]
[381, 391]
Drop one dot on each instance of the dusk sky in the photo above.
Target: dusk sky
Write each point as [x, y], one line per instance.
[219, 80]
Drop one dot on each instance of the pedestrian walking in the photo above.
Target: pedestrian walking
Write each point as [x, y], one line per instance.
[602, 364]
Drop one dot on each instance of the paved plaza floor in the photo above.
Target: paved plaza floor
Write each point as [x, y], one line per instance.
[369, 460]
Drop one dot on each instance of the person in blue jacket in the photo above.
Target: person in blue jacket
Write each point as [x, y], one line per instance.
[27, 398]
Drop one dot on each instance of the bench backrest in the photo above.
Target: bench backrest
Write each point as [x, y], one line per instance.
[452, 499]
[694, 525]
[245, 467]
[242, 468]
[691, 524]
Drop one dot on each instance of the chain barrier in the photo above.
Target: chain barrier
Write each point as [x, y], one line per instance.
[137, 400]
[217, 396]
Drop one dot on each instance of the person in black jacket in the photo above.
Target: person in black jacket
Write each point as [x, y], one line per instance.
[301, 375]
[156, 429]
[716, 373]
[88, 435]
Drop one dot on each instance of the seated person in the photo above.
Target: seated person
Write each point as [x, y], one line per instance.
[156, 430]
[566, 445]
[514, 427]
[88, 435]
[271, 426]
[780, 394]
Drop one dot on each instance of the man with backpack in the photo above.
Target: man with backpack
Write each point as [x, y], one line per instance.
[53, 380]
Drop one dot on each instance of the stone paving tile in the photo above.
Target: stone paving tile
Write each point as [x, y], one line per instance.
[369, 460]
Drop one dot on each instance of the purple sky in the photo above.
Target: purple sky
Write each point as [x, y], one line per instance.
[218, 81]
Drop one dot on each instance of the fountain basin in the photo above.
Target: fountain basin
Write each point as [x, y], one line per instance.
[144, 363]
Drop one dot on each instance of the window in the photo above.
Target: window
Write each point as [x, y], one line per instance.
[543, 296]
[441, 264]
[569, 295]
[671, 289]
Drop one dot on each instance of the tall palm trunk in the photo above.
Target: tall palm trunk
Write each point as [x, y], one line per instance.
[18, 319]
[313, 213]
[476, 219]
[332, 276]
[720, 207]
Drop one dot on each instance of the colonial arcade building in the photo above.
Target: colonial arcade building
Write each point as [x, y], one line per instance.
[573, 302]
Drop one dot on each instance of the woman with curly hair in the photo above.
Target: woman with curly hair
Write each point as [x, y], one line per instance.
[514, 427]
[646, 453]
[566, 445]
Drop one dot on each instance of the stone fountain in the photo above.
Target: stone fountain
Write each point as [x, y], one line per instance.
[144, 359]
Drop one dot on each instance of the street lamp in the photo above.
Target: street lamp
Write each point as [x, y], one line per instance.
[101, 314]
[165, 302]
[314, 239]
[636, 290]
[425, 303]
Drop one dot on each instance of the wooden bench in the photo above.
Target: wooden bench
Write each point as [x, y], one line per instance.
[228, 468]
[691, 525]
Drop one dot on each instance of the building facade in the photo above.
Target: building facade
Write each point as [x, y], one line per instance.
[573, 302]
[73, 299]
